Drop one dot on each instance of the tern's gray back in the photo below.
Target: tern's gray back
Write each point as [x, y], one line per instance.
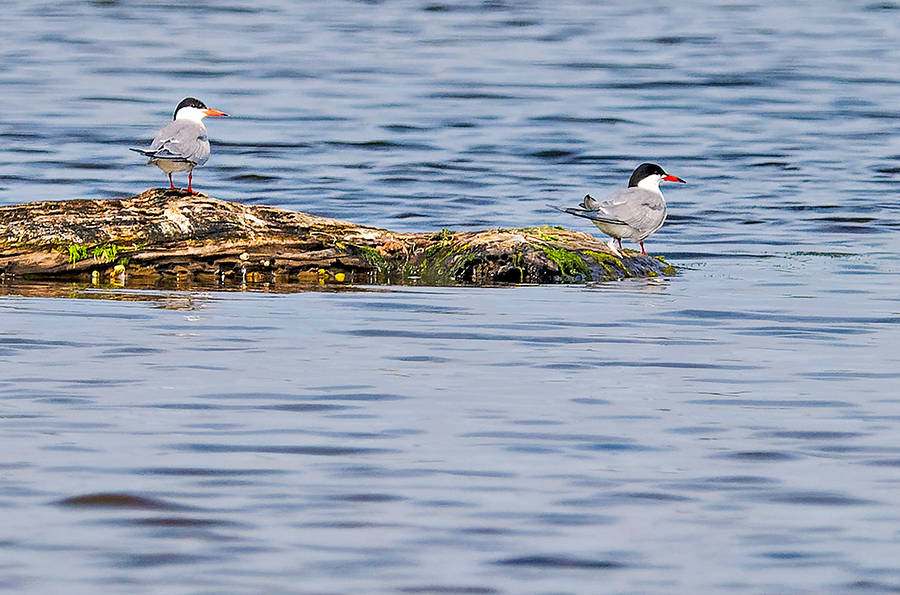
[643, 211]
[184, 139]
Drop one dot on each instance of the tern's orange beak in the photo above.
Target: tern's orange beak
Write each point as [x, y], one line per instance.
[214, 112]
[673, 179]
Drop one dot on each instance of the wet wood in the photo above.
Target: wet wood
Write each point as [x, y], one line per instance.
[163, 237]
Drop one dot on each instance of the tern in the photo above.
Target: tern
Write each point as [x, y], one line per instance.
[183, 144]
[634, 212]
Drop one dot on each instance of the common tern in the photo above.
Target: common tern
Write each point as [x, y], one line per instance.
[634, 212]
[182, 144]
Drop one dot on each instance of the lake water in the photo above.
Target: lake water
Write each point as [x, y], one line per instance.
[732, 429]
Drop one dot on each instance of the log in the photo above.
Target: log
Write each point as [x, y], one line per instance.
[165, 238]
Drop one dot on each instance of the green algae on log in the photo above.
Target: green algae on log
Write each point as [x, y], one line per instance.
[163, 237]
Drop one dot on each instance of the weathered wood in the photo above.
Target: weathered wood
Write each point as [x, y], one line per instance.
[162, 238]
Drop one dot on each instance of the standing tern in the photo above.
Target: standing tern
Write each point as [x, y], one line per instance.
[183, 144]
[634, 212]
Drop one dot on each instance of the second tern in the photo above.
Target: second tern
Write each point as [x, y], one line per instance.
[634, 212]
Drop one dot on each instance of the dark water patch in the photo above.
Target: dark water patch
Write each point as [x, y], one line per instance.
[701, 256]
[575, 520]
[567, 366]
[591, 401]
[359, 397]
[473, 95]
[316, 451]
[616, 447]
[713, 82]
[306, 407]
[532, 449]
[727, 315]
[367, 498]
[870, 586]
[406, 128]
[402, 306]
[71, 448]
[430, 359]
[381, 145]
[162, 559]
[482, 474]
[814, 498]
[613, 66]
[254, 178]
[652, 364]
[445, 504]
[65, 401]
[759, 456]
[130, 351]
[376, 333]
[884, 463]
[696, 430]
[685, 39]
[650, 497]
[727, 484]
[203, 472]
[351, 525]
[378, 472]
[812, 435]
[849, 229]
[112, 500]
[485, 531]
[20, 343]
[248, 395]
[800, 332]
[797, 559]
[592, 438]
[553, 154]
[776, 403]
[190, 407]
[561, 563]
[448, 590]
[179, 523]
[562, 119]
[850, 375]
[95, 381]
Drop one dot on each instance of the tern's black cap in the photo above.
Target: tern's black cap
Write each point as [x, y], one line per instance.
[189, 102]
[642, 171]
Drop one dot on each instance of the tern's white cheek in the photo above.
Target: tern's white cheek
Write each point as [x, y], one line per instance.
[650, 183]
[191, 113]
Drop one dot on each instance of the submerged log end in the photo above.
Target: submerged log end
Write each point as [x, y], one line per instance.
[165, 238]
[541, 255]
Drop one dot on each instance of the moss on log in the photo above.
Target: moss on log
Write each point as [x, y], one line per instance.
[169, 238]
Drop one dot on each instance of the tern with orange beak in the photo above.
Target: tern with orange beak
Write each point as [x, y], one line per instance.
[182, 144]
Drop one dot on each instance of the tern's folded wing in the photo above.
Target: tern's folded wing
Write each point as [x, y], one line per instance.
[162, 153]
[182, 140]
[638, 208]
[589, 214]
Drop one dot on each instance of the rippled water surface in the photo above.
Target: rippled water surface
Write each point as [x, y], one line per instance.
[733, 429]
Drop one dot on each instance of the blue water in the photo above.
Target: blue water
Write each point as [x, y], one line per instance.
[732, 429]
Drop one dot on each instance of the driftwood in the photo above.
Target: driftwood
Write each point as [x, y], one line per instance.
[169, 238]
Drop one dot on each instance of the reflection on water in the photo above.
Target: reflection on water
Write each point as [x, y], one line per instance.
[730, 429]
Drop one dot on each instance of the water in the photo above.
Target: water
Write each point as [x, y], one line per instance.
[728, 430]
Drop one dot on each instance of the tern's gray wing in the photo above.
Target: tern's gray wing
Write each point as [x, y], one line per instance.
[181, 140]
[643, 211]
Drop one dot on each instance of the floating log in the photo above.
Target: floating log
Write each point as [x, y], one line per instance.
[165, 238]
